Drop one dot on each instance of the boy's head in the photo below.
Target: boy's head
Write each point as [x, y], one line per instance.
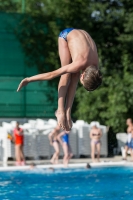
[17, 124]
[129, 121]
[91, 78]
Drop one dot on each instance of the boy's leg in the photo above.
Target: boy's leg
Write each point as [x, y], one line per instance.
[66, 154]
[65, 59]
[56, 154]
[126, 150]
[70, 152]
[22, 155]
[17, 153]
[132, 154]
[93, 151]
[70, 97]
[98, 151]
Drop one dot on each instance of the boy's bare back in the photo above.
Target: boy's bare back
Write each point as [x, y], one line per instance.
[82, 47]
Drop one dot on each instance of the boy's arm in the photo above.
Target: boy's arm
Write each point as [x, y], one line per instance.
[100, 133]
[20, 131]
[74, 67]
[13, 137]
[50, 137]
[91, 134]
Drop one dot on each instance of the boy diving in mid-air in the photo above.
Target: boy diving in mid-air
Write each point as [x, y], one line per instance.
[79, 60]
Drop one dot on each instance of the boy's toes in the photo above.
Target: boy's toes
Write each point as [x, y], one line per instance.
[67, 126]
[70, 124]
[60, 119]
[61, 126]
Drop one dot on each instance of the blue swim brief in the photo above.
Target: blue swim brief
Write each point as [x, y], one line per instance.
[128, 144]
[63, 34]
[131, 143]
[65, 138]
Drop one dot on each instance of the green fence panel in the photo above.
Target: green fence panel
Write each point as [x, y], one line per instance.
[32, 101]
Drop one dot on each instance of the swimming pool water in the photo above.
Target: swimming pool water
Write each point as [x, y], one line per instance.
[110, 183]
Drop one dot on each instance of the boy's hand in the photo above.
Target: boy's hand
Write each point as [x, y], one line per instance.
[23, 83]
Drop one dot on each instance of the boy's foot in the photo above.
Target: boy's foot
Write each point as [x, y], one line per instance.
[18, 163]
[124, 159]
[70, 155]
[69, 122]
[52, 161]
[65, 163]
[56, 162]
[23, 163]
[60, 119]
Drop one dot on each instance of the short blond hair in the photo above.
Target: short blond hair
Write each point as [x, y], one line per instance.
[92, 78]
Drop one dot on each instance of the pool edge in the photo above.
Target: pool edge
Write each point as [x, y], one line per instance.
[77, 165]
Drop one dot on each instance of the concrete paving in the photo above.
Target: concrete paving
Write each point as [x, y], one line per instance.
[72, 161]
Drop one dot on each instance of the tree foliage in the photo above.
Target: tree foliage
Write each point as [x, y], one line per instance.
[112, 102]
[10, 6]
[39, 28]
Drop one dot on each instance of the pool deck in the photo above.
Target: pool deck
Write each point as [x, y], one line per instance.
[74, 163]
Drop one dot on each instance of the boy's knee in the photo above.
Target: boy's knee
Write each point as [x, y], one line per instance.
[57, 153]
[66, 155]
